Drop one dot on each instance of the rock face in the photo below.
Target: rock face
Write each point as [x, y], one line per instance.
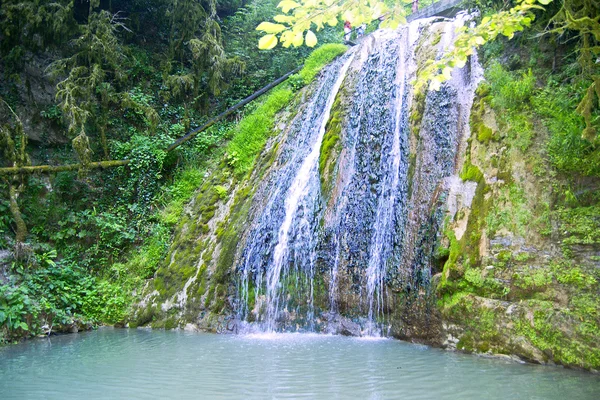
[374, 210]
[520, 279]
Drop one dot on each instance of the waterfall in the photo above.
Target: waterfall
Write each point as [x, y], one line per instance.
[312, 257]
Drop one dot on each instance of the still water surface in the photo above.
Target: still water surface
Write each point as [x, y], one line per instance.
[138, 364]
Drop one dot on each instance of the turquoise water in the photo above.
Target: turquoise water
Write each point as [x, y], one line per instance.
[138, 364]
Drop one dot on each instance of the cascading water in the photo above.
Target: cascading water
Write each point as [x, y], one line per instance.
[344, 247]
[298, 199]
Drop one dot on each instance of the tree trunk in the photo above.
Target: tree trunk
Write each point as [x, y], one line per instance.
[16, 214]
[20, 251]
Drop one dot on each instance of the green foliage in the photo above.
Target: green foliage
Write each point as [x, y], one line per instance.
[510, 96]
[198, 64]
[579, 225]
[567, 151]
[510, 210]
[509, 92]
[320, 58]
[56, 293]
[262, 67]
[176, 195]
[32, 25]
[97, 52]
[252, 132]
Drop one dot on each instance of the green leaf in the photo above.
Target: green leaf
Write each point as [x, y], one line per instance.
[270, 27]
[267, 42]
[23, 326]
[545, 2]
[311, 39]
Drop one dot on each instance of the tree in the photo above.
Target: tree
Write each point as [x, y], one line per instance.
[14, 142]
[197, 63]
[97, 57]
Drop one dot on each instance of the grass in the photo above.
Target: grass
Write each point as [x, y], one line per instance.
[320, 58]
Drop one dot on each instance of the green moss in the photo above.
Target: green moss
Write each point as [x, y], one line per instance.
[579, 225]
[546, 333]
[532, 278]
[510, 210]
[250, 135]
[412, 162]
[221, 191]
[330, 147]
[171, 323]
[471, 172]
[484, 133]
[569, 274]
[145, 316]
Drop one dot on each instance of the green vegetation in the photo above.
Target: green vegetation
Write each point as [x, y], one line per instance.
[253, 131]
[330, 146]
[318, 59]
[510, 94]
[251, 134]
[527, 143]
[128, 82]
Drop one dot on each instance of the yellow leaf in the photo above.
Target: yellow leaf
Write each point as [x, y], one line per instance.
[287, 5]
[311, 39]
[267, 42]
[447, 73]
[318, 21]
[435, 85]
[283, 18]
[332, 22]
[479, 40]
[270, 27]
[298, 39]
[286, 39]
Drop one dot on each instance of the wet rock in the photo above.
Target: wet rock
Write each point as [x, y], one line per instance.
[341, 325]
[349, 328]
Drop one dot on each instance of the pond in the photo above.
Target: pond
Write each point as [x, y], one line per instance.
[140, 364]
